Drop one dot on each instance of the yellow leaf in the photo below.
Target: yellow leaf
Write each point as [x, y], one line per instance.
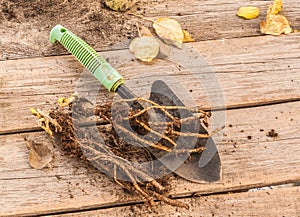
[145, 48]
[275, 8]
[187, 37]
[248, 12]
[275, 25]
[169, 30]
[64, 102]
[119, 5]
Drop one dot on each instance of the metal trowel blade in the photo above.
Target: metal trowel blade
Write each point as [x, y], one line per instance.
[202, 167]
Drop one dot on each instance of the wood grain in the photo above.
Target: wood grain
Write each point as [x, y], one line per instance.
[248, 72]
[27, 35]
[257, 76]
[275, 202]
[70, 185]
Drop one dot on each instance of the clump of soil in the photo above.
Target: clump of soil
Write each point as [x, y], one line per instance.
[120, 152]
[272, 133]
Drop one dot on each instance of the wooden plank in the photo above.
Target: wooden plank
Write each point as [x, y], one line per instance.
[247, 71]
[69, 185]
[26, 33]
[276, 202]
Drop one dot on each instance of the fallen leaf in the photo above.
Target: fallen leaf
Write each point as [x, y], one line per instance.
[275, 8]
[120, 5]
[40, 155]
[275, 25]
[144, 31]
[169, 30]
[187, 37]
[248, 13]
[144, 48]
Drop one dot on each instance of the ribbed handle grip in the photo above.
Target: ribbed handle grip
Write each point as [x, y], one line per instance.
[88, 57]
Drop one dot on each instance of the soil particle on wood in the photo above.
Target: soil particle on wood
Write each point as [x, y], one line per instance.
[272, 133]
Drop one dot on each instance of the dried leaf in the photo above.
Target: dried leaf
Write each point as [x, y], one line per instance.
[144, 31]
[248, 12]
[275, 25]
[187, 37]
[275, 8]
[120, 5]
[145, 48]
[39, 155]
[170, 31]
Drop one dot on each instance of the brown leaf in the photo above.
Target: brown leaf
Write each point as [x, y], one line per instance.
[169, 30]
[39, 154]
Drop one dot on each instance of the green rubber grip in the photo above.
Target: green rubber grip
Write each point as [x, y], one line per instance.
[88, 57]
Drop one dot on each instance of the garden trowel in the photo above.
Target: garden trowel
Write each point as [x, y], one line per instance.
[198, 167]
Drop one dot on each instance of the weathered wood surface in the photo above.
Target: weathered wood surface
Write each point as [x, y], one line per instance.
[250, 72]
[259, 77]
[205, 20]
[247, 163]
[268, 203]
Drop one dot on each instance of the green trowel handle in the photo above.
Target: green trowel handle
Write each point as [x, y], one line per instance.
[88, 57]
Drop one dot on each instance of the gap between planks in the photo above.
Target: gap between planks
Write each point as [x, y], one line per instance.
[249, 72]
[275, 202]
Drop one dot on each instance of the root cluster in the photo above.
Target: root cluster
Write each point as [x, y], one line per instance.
[119, 158]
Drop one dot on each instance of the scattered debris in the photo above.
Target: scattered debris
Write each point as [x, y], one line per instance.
[169, 30]
[144, 48]
[120, 5]
[248, 13]
[275, 23]
[40, 155]
[272, 134]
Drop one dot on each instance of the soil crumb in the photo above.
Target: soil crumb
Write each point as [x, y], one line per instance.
[272, 133]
